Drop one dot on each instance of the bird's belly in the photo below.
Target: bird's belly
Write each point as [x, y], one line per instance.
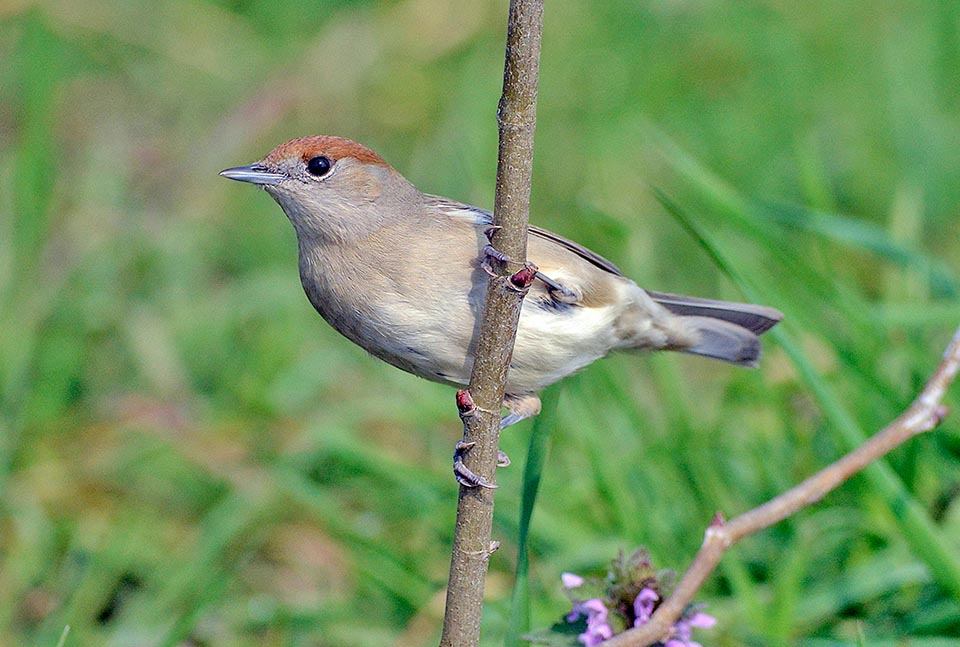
[431, 333]
[424, 339]
[429, 353]
[553, 342]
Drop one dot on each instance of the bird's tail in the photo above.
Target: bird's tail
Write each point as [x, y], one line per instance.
[728, 331]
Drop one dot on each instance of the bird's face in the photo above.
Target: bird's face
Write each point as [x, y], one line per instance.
[332, 189]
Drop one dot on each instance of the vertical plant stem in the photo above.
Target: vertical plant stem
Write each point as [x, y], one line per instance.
[516, 118]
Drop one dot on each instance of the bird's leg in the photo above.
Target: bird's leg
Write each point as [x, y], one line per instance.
[525, 276]
[520, 407]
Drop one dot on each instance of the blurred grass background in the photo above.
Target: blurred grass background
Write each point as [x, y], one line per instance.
[190, 456]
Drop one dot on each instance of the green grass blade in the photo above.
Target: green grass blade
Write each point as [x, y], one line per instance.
[915, 525]
[543, 424]
[41, 72]
[865, 235]
[63, 636]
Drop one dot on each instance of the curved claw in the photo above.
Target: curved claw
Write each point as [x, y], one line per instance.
[489, 251]
[502, 459]
[463, 474]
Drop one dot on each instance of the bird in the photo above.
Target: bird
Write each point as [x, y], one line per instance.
[403, 274]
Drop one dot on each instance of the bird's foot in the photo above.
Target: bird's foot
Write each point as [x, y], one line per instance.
[464, 475]
[490, 231]
[524, 277]
[519, 280]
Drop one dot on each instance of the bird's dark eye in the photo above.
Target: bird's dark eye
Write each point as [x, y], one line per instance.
[319, 165]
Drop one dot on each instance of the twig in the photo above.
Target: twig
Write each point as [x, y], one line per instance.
[516, 119]
[922, 415]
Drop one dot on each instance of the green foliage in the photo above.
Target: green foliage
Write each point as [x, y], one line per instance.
[543, 424]
[560, 634]
[189, 455]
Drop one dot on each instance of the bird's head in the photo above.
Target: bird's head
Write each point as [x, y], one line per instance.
[331, 188]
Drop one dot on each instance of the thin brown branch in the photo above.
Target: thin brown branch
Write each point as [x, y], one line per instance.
[922, 415]
[516, 118]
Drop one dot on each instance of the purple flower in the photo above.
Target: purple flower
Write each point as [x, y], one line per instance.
[614, 609]
[598, 629]
[579, 609]
[643, 605]
[702, 620]
[682, 629]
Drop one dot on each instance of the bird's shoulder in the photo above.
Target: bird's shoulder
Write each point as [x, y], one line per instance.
[458, 212]
[478, 217]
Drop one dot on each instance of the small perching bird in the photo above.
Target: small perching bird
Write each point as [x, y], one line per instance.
[401, 273]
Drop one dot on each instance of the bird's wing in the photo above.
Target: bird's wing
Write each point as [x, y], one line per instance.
[484, 217]
[577, 249]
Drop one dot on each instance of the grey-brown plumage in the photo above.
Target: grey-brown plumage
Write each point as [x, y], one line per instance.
[399, 272]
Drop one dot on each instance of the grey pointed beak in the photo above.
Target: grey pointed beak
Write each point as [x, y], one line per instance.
[254, 173]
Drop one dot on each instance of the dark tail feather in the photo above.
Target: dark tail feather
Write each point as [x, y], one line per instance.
[725, 341]
[756, 319]
[728, 331]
